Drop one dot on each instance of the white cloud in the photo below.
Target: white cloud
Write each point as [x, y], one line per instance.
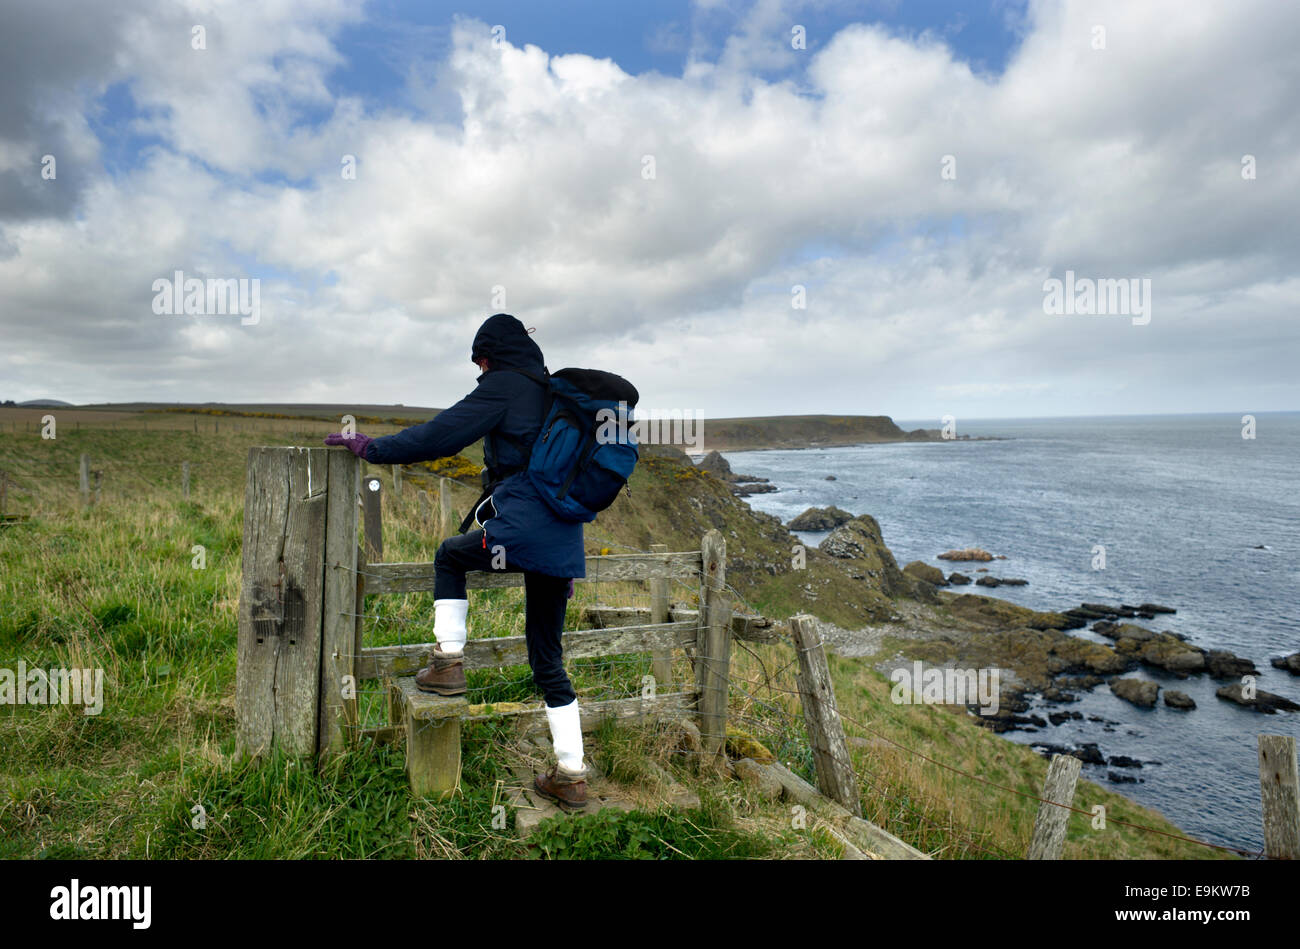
[1122, 162]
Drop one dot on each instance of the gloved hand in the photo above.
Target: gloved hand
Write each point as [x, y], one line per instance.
[355, 442]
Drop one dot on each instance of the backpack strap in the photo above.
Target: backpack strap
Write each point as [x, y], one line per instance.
[490, 483]
[527, 450]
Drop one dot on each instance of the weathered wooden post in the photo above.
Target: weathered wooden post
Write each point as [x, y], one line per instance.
[373, 515]
[445, 528]
[185, 480]
[821, 715]
[296, 606]
[1048, 840]
[713, 648]
[1279, 791]
[426, 509]
[397, 481]
[85, 480]
[341, 625]
[661, 664]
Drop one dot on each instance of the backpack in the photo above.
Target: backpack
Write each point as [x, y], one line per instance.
[585, 451]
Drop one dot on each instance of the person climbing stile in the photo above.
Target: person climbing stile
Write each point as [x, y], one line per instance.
[522, 526]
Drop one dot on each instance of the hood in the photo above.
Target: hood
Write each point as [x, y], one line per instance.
[504, 340]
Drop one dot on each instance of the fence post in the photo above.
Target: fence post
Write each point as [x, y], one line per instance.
[397, 481]
[713, 648]
[85, 480]
[278, 664]
[372, 513]
[444, 509]
[185, 480]
[426, 508]
[1048, 840]
[661, 664]
[1279, 791]
[821, 715]
[339, 626]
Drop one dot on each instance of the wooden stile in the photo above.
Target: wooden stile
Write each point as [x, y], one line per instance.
[338, 682]
[279, 644]
[419, 577]
[372, 512]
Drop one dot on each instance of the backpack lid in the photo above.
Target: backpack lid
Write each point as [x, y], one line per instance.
[598, 384]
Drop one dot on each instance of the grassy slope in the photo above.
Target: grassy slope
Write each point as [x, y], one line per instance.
[114, 587]
[799, 431]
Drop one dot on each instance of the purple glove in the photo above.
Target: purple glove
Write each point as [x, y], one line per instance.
[355, 443]
[570, 594]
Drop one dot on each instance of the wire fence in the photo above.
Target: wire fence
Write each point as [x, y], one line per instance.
[764, 698]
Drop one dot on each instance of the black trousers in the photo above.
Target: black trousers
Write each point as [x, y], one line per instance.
[545, 601]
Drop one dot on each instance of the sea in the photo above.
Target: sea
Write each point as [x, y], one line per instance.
[1197, 512]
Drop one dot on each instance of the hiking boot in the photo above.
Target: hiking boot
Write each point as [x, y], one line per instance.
[566, 788]
[445, 675]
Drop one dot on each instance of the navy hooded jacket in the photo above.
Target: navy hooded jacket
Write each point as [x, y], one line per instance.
[505, 410]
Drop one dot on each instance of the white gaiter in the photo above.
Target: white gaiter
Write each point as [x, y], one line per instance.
[449, 624]
[566, 733]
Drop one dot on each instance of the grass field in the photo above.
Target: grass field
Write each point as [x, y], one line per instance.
[114, 586]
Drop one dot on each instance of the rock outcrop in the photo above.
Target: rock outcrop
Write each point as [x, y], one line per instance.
[920, 570]
[1171, 653]
[1222, 664]
[713, 463]
[860, 542]
[969, 553]
[1266, 702]
[820, 519]
[992, 581]
[1141, 692]
[1289, 663]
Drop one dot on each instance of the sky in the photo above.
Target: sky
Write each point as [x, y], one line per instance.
[745, 208]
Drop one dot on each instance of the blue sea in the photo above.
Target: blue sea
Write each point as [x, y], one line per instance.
[1182, 506]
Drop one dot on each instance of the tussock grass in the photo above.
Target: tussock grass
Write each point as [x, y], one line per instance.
[114, 587]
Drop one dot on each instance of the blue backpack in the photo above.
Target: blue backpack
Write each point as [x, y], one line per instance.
[585, 451]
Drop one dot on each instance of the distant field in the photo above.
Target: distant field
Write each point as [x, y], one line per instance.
[726, 434]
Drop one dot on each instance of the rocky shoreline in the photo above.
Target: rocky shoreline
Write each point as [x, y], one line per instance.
[1039, 658]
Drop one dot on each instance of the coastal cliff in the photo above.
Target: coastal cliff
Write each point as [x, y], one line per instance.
[807, 431]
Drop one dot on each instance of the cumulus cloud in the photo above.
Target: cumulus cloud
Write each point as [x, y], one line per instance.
[923, 291]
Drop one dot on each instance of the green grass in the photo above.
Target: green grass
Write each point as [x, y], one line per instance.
[115, 587]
